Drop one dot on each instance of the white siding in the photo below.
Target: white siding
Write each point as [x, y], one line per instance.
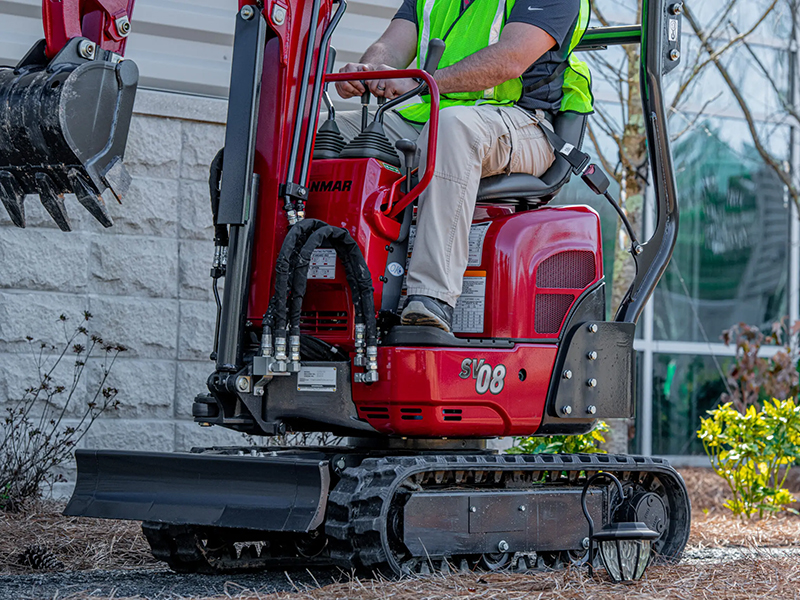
[185, 45]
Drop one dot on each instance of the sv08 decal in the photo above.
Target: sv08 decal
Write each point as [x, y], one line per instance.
[487, 378]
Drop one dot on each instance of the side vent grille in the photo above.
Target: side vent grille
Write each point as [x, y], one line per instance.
[451, 414]
[321, 321]
[374, 412]
[411, 414]
[551, 310]
[573, 270]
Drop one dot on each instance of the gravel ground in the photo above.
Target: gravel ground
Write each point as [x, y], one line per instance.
[162, 584]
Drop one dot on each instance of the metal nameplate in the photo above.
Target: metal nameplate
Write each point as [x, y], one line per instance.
[316, 379]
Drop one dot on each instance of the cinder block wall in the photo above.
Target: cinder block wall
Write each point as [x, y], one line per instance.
[145, 280]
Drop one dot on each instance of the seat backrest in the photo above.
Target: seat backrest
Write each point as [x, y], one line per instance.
[537, 191]
[571, 126]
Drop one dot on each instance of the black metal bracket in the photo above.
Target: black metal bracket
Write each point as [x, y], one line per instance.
[243, 103]
[294, 190]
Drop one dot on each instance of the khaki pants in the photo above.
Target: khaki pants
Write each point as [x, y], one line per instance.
[474, 142]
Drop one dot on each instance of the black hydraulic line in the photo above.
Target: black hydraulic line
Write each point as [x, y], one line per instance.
[301, 102]
[317, 92]
[356, 271]
[284, 267]
[329, 233]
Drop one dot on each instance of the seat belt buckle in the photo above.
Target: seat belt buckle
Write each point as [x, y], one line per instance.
[594, 177]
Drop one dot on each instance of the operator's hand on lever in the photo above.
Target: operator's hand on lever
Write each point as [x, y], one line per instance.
[395, 49]
[350, 89]
[389, 88]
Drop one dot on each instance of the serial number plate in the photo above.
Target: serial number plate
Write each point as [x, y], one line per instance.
[316, 379]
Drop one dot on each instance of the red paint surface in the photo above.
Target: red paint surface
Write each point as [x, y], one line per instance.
[513, 249]
[420, 390]
[358, 211]
[92, 19]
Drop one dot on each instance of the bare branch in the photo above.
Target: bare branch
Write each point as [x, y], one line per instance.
[771, 161]
[690, 123]
[607, 167]
[715, 54]
[603, 21]
[791, 110]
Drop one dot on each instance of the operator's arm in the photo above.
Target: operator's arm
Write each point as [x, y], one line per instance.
[520, 45]
[395, 49]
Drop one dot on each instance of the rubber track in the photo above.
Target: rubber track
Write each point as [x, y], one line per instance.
[358, 506]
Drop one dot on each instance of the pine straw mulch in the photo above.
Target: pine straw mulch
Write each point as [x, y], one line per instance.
[745, 579]
[713, 526]
[80, 544]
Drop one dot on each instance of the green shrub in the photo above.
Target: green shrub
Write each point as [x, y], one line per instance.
[562, 444]
[753, 451]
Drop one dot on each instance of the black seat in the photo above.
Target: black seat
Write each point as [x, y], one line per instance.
[530, 191]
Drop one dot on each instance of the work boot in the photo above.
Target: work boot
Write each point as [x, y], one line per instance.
[429, 312]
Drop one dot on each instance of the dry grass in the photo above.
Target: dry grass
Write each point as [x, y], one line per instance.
[76, 542]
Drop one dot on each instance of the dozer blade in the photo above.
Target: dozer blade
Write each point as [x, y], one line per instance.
[264, 493]
[63, 129]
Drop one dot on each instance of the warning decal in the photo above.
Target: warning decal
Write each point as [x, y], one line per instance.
[323, 264]
[469, 310]
[477, 233]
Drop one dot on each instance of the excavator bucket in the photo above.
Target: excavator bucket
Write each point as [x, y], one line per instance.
[63, 129]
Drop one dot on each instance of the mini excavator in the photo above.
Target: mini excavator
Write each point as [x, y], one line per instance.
[312, 237]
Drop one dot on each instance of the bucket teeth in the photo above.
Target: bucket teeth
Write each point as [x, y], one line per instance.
[53, 201]
[89, 198]
[13, 198]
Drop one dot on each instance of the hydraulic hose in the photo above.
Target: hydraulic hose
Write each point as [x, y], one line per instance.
[284, 267]
[360, 282]
[348, 252]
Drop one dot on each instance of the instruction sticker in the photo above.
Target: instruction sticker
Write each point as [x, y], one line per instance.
[477, 233]
[316, 379]
[469, 310]
[323, 264]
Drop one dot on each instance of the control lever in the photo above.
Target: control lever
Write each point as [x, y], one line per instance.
[436, 49]
[326, 97]
[409, 151]
[434, 56]
[365, 98]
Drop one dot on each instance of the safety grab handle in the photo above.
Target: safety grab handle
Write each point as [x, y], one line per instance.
[433, 124]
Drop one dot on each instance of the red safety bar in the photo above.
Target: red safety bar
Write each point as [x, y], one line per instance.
[433, 125]
[106, 22]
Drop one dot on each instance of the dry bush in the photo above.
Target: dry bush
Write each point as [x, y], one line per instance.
[36, 435]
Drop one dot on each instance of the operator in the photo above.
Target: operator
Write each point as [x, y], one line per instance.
[500, 77]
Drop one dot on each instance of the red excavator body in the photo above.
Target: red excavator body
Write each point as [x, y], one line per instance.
[312, 237]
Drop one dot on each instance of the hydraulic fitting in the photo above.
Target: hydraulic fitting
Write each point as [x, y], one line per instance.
[371, 374]
[220, 263]
[281, 359]
[266, 340]
[294, 354]
[360, 360]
